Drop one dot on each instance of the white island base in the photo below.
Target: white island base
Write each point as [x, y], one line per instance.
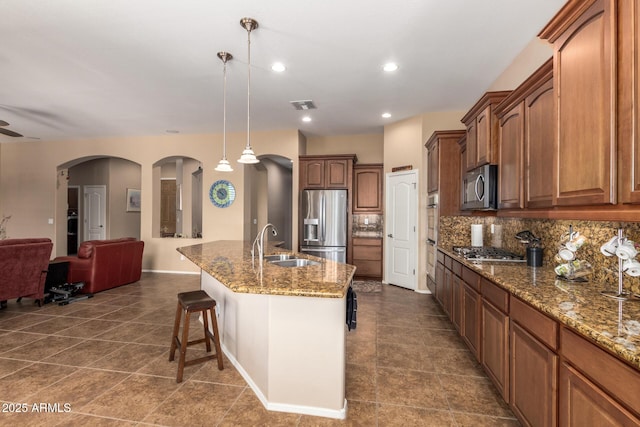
[289, 349]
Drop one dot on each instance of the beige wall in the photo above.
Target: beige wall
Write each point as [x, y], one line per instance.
[33, 189]
[368, 147]
[536, 53]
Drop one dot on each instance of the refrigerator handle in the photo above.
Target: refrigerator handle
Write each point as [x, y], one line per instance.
[323, 222]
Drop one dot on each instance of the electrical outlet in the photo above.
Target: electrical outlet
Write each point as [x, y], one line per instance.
[366, 221]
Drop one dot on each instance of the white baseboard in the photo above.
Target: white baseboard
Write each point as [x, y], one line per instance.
[170, 272]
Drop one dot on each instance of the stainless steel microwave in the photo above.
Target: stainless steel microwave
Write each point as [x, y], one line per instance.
[480, 189]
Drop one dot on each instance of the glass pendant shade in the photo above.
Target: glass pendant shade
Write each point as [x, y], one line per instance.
[223, 164]
[248, 156]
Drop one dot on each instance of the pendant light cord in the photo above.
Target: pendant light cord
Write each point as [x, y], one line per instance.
[249, 88]
[224, 111]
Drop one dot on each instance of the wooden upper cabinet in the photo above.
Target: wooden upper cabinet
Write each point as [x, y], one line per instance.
[433, 168]
[443, 174]
[510, 171]
[312, 174]
[583, 34]
[526, 143]
[326, 171]
[538, 136]
[482, 130]
[337, 173]
[629, 101]
[472, 142]
[367, 188]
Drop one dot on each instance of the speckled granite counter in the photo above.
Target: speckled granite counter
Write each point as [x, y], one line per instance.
[229, 261]
[615, 325]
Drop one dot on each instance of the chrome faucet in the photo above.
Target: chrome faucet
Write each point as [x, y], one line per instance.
[259, 242]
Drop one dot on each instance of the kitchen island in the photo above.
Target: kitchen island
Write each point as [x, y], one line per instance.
[283, 328]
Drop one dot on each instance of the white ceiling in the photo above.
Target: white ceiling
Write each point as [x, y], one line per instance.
[89, 68]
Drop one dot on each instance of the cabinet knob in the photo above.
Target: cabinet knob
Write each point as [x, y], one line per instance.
[390, 235]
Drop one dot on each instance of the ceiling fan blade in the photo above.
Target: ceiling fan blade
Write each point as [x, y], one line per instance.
[3, 123]
[9, 132]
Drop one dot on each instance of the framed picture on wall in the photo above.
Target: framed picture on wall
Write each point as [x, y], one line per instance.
[133, 200]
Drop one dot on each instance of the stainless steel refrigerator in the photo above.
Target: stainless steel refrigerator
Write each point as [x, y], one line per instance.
[323, 224]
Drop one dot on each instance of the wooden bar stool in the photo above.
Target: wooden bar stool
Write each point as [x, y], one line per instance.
[194, 302]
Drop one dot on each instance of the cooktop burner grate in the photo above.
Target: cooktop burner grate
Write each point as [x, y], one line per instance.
[487, 253]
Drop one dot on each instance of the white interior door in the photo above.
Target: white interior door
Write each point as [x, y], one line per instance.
[401, 244]
[95, 212]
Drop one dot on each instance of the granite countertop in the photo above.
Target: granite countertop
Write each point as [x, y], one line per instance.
[614, 324]
[229, 261]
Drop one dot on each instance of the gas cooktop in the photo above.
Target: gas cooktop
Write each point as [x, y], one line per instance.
[487, 253]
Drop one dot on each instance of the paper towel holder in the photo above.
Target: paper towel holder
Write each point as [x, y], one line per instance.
[621, 294]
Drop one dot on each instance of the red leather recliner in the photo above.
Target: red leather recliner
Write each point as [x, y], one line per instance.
[105, 264]
[23, 267]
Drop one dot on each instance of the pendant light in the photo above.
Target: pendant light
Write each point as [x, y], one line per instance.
[248, 156]
[223, 165]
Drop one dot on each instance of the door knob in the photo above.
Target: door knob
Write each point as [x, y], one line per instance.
[390, 235]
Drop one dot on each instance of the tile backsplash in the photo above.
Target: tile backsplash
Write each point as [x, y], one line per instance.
[368, 225]
[456, 231]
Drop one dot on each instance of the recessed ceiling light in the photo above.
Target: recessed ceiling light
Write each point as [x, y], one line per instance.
[278, 67]
[172, 131]
[306, 119]
[386, 115]
[390, 66]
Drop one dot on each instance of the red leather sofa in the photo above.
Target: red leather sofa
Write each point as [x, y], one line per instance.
[23, 268]
[105, 264]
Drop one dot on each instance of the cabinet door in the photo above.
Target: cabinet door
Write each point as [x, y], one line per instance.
[539, 146]
[439, 281]
[337, 173]
[533, 379]
[510, 171]
[432, 168]
[629, 102]
[483, 137]
[446, 291]
[582, 403]
[471, 320]
[585, 79]
[312, 174]
[472, 142]
[456, 302]
[367, 189]
[495, 347]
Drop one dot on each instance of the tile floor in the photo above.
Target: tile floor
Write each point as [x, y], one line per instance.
[106, 359]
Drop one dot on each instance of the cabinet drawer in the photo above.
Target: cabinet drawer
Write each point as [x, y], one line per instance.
[616, 377]
[371, 253]
[456, 267]
[440, 257]
[359, 241]
[368, 268]
[471, 278]
[447, 261]
[495, 295]
[541, 326]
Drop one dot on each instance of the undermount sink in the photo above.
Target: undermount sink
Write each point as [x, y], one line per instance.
[295, 262]
[279, 257]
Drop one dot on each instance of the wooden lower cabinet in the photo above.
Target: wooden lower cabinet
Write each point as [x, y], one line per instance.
[495, 347]
[439, 282]
[367, 257]
[533, 379]
[456, 302]
[471, 304]
[446, 291]
[582, 403]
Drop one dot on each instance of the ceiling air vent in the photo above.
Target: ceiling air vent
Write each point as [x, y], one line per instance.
[303, 105]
